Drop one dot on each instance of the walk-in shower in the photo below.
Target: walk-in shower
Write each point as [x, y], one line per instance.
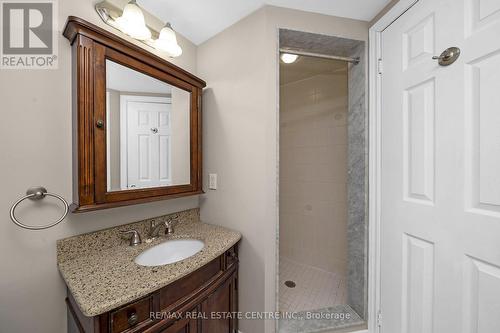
[322, 184]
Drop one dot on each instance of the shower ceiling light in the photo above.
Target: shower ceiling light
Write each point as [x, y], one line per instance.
[167, 42]
[289, 58]
[132, 22]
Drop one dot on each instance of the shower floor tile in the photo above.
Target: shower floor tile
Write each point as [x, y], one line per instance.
[314, 287]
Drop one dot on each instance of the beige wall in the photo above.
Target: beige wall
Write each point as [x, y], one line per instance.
[240, 66]
[313, 171]
[235, 134]
[36, 149]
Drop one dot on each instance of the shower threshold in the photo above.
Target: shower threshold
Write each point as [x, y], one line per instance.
[337, 318]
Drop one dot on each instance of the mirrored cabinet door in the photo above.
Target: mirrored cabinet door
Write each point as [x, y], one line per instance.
[137, 123]
[147, 133]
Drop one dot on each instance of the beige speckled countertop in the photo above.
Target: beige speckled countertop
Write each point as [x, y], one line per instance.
[100, 271]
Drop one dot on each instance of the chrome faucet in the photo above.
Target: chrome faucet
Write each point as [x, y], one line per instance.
[154, 230]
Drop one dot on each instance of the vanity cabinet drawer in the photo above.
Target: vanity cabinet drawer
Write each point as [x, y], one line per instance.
[173, 293]
[131, 315]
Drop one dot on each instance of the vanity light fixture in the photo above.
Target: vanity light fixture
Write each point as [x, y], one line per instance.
[289, 58]
[167, 41]
[132, 22]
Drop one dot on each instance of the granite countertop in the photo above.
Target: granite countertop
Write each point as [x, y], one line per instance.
[103, 278]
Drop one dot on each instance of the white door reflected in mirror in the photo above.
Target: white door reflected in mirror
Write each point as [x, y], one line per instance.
[146, 129]
[147, 133]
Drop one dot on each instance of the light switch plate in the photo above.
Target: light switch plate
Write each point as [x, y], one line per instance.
[212, 181]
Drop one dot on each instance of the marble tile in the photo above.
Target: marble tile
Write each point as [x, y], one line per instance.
[316, 43]
[357, 184]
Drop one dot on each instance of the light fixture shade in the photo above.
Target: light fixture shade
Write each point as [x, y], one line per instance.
[167, 42]
[288, 58]
[132, 22]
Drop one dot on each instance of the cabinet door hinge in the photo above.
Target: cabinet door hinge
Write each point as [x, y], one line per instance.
[379, 319]
[380, 66]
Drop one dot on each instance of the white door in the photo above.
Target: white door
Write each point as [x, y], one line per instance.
[440, 156]
[146, 162]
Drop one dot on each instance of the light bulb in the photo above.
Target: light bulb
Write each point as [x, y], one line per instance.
[288, 58]
[167, 41]
[132, 22]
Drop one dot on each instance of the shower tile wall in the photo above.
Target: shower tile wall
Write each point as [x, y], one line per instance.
[313, 171]
[357, 228]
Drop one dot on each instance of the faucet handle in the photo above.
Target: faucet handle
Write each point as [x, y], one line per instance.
[135, 238]
[169, 226]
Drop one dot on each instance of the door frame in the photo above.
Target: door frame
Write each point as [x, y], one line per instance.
[124, 99]
[374, 163]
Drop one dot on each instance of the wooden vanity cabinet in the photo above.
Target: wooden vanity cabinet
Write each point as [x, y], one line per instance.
[185, 306]
[181, 326]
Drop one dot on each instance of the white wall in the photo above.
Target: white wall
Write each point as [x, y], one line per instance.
[36, 149]
[240, 135]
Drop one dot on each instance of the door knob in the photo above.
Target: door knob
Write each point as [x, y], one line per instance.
[448, 57]
[154, 130]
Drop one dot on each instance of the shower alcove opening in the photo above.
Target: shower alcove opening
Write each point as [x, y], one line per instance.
[322, 184]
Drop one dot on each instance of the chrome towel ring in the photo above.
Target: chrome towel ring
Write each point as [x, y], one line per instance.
[38, 193]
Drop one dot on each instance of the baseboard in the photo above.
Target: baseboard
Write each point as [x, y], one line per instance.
[347, 329]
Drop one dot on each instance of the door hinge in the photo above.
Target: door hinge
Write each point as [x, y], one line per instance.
[379, 318]
[380, 66]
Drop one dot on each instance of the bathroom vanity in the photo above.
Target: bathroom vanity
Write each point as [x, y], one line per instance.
[137, 139]
[109, 292]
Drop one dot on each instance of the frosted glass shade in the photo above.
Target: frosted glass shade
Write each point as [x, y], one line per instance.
[167, 42]
[132, 22]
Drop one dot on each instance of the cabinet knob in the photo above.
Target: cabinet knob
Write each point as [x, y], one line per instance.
[100, 123]
[133, 318]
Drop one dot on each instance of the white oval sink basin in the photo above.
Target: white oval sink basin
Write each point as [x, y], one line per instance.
[169, 252]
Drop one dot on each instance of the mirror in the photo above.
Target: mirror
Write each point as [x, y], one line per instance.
[137, 123]
[147, 132]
